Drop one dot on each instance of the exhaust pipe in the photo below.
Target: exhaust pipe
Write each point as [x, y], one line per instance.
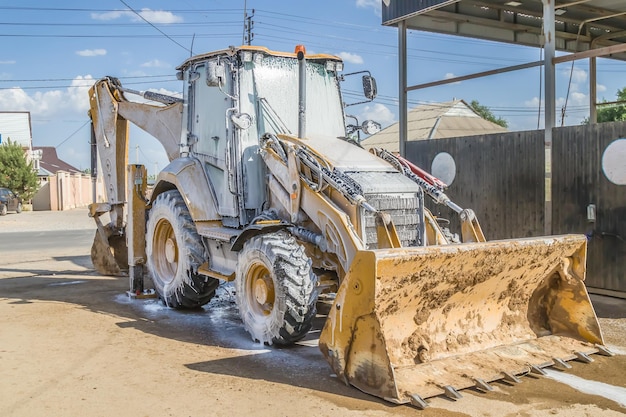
[300, 51]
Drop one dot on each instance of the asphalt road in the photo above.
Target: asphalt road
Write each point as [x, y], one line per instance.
[14, 242]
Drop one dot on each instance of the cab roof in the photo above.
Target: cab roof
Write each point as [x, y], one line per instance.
[233, 50]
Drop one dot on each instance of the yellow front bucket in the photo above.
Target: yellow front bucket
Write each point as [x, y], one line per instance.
[413, 323]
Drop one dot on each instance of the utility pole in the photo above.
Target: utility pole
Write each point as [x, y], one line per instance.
[248, 24]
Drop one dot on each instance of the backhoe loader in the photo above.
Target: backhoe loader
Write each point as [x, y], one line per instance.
[266, 188]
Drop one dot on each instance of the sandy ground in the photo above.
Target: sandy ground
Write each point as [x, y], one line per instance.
[72, 344]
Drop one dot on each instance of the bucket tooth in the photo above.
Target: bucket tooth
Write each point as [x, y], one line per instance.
[482, 385]
[418, 401]
[451, 393]
[534, 369]
[561, 364]
[583, 357]
[604, 351]
[511, 378]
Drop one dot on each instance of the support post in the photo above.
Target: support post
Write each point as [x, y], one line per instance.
[94, 165]
[136, 229]
[593, 92]
[549, 36]
[402, 93]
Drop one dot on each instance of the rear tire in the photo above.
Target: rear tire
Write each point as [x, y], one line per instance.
[3, 210]
[175, 251]
[18, 210]
[276, 289]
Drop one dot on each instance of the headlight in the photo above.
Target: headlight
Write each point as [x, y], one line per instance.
[334, 66]
[246, 56]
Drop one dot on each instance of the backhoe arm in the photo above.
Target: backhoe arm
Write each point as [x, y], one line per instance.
[110, 113]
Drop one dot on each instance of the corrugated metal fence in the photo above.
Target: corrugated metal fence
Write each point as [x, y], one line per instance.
[501, 177]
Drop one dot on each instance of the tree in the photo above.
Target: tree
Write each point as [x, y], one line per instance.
[485, 113]
[15, 173]
[613, 112]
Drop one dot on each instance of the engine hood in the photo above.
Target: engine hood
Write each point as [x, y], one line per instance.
[343, 155]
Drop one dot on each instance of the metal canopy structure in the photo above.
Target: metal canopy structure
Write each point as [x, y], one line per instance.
[583, 29]
[579, 25]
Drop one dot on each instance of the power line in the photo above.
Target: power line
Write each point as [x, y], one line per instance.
[75, 86]
[70, 136]
[69, 9]
[108, 36]
[159, 30]
[111, 24]
[72, 79]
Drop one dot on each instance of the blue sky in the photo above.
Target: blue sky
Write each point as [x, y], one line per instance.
[53, 51]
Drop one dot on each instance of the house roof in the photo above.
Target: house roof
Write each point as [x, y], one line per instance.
[435, 121]
[51, 163]
[15, 125]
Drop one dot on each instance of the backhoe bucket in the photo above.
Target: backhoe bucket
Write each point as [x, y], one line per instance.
[109, 253]
[413, 323]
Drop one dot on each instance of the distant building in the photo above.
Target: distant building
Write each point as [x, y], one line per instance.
[435, 121]
[62, 186]
[15, 125]
[49, 162]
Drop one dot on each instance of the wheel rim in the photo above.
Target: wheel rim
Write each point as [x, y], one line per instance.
[260, 292]
[165, 251]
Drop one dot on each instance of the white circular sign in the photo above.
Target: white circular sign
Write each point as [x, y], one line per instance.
[614, 162]
[443, 167]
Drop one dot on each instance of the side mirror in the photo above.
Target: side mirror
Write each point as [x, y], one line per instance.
[369, 87]
[370, 127]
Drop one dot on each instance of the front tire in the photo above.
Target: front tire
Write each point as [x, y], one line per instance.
[175, 251]
[276, 289]
[3, 210]
[18, 210]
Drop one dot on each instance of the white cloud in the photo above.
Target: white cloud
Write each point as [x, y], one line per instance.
[534, 102]
[10, 62]
[600, 88]
[116, 14]
[578, 99]
[370, 4]
[92, 52]
[351, 58]
[74, 99]
[578, 75]
[155, 63]
[152, 16]
[378, 113]
[159, 16]
[575, 99]
[577, 108]
[449, 76]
